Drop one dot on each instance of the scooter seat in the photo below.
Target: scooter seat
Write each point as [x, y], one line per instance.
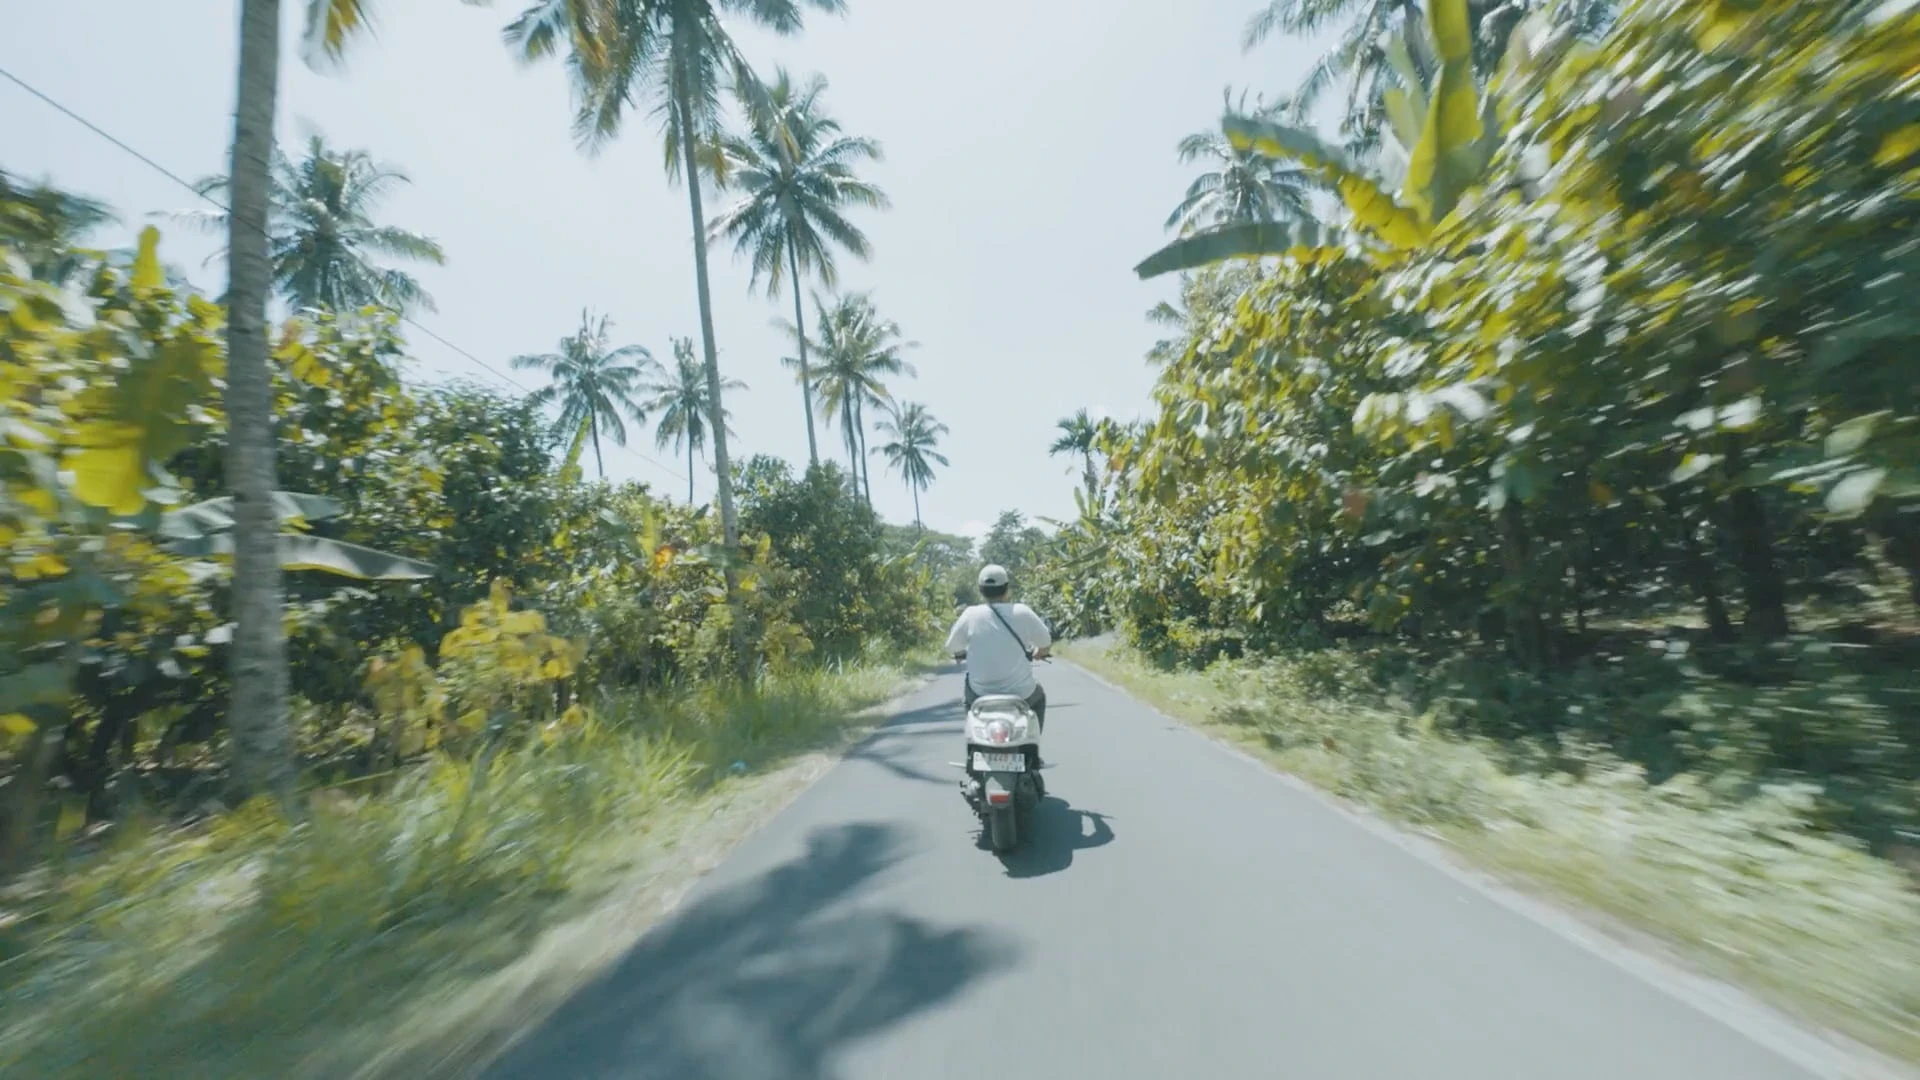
[1001, 703]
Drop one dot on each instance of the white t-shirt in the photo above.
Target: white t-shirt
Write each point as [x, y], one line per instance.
[996, 663]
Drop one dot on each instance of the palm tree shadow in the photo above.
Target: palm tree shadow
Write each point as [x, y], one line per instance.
[1059, 830]
[892, 747]
[894, 755]
[764, 979]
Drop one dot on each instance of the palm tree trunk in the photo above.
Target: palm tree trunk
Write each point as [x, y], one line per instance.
[847, 422]
[593, 424]
[262, 737]
[690, 468]
[866, 466]
[806, 379]
[723, 481]
[917, 523]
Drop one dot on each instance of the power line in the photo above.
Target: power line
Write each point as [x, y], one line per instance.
[97, 130]
[195, 191]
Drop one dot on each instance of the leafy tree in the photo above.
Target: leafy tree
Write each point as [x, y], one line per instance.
[912, 452]
[93, 404]
[44, 225]
[115, 605]
[794, 169]
[323, 237]
[594, 382]
[948, 559]
[1633, 361]
[1204, 295]
[1242, 186]
[859, 350]
[847, 585]
[681, 402]
[1013, 543]
[679, 53]
[115, 628]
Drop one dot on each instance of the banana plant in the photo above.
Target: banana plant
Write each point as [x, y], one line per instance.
[206, 528]
[1446, 132]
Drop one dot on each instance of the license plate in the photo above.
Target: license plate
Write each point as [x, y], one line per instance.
[984, 762]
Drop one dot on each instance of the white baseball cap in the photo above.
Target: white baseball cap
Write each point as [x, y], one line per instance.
[994, 577]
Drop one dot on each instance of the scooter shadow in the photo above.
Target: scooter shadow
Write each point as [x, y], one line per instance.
[1057, 830]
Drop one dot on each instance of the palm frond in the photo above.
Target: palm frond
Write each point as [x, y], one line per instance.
[389, 240]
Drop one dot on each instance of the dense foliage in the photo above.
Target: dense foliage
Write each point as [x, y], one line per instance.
[497, 592]
[245, 559]
[1629, 411]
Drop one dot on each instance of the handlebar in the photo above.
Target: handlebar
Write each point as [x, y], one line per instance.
[960, 656]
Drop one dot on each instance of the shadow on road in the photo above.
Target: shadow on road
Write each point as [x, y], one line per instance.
[893, 746]
[1059, 830]
[895, 754]
[944, 711]
[761, 980]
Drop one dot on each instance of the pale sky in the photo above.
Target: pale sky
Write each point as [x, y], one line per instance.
[1030, 160]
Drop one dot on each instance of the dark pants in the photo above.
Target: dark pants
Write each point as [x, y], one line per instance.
[1037, 701]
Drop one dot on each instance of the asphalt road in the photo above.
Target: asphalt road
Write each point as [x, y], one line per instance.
[1181, 913]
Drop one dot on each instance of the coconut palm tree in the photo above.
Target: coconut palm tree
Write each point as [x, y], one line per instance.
[593, 382]
[1243, 185]
[680, 399]
[913, 452]
[794, 170]
[1077, 435]
[1364, 54]
[678, 54]
[1358, 55]
[322, 235]
[262, 743]
[858, 351]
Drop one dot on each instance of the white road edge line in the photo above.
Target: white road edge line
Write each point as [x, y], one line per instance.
[1829, 1055]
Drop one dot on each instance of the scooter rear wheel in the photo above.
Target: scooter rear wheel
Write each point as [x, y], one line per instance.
[1003, 830]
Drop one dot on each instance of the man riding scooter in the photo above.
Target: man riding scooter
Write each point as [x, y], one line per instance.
[999, 641]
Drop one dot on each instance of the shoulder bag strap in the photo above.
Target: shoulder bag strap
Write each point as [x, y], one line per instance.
[1010, 630]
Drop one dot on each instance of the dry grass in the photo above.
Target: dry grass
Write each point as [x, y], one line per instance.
[405, 933]
[1748, 887]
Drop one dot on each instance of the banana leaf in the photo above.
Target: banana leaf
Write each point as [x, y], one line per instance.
[1247, 240]
[300, 551]
[216, 515]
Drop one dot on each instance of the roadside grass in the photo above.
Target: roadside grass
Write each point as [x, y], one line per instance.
[249, 948]
[1738, 874]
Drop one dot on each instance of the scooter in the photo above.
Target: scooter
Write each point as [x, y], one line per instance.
[1003, 783]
